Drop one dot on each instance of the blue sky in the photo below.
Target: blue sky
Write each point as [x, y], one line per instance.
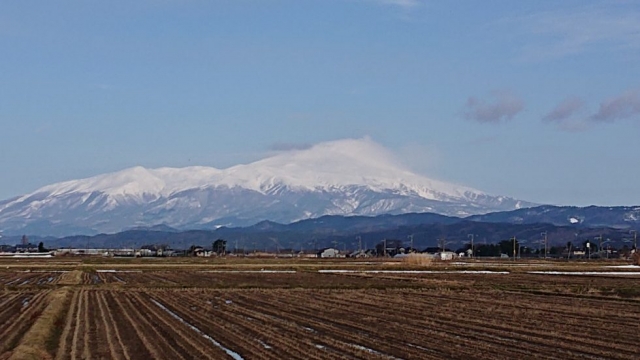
[539, 100]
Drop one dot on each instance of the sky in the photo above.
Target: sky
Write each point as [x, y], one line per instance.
[538, 100]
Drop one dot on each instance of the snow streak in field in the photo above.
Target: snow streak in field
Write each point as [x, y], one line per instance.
[617, 273]
[231, 353]
[623, 267]
[264, 344]
[251, 271]
[413, 272]
[371, 351]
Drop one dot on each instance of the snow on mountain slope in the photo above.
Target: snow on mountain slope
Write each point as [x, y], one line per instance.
[346, 177]
[324, 166]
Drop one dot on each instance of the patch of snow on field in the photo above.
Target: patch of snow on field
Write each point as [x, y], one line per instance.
[622, 273]
[623, 267]
[118, 271]
[371, 351]
[423, 348]
[231, 353]
[13, 281]
[251, 271]
[339, 271]
[264, 345]
[500, 264]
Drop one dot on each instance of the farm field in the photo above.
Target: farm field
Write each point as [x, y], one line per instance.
[121, 310]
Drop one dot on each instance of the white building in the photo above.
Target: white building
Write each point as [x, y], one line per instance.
[446, 255]
[329, 253]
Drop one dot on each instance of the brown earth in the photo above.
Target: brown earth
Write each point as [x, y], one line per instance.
[150, 312]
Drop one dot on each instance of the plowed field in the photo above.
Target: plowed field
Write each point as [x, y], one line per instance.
[289, 314]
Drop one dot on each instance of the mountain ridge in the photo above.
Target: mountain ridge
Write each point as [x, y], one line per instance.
[343, 177]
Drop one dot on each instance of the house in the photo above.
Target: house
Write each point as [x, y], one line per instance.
[578, 253]
[360, 254]
[329, 253]
[26, 248]
[145, 253]
[7, 248]
[446, 255]
[201, 252]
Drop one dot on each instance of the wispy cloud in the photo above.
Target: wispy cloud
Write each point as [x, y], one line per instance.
[287, 146]
[623, 106]
[564, 110]
[552, 34]
[43, 128]
[404, 4]
[503, 107]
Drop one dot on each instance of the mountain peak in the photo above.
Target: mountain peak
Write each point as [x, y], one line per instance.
[342, 177]
[363, 152]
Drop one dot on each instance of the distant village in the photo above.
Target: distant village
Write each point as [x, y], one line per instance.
[507, 249]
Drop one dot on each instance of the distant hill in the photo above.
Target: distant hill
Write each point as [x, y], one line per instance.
[623, 217]
[160, 227]
[340, 231]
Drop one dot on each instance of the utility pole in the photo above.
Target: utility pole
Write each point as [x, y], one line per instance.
[544, 235]
[599, 242]
[385, 247]
[472, 236]
[635, 239]
[275, 241]
[514, 248]
[359, 238]
[411, 237]
[520, 248]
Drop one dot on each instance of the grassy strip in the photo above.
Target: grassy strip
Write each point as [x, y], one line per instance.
[53, 341]
[42, 338]
[71, 278]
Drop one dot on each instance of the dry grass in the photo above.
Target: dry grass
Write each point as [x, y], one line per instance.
[35, 343]
[636, 258]
[418, 260]
[71, 278]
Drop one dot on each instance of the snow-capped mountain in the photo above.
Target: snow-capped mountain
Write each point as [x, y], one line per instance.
[344, 177]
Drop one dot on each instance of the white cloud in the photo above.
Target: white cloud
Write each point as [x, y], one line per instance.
[560, 33]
